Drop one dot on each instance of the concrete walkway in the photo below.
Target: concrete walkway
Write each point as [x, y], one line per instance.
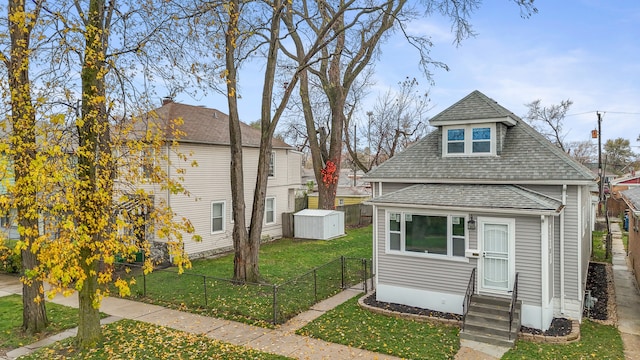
[282, 340]
[627, 296]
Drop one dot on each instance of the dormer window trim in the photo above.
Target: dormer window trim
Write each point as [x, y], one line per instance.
[469, 139]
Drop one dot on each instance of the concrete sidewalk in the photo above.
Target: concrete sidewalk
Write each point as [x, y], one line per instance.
[282, 340]
[627, 296]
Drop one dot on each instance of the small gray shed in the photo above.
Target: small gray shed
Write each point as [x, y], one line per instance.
[318, 224]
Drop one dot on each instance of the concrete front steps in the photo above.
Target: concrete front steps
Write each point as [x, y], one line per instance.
[487, 321]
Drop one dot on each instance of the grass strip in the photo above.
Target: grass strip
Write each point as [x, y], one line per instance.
[128, 339]
[597, 341]
[351, 325]
[11, 335]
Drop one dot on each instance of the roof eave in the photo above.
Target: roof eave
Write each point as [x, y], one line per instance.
[478, 181]
[507, 120]
[475, 209]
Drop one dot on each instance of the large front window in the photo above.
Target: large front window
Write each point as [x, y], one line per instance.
[426, 233]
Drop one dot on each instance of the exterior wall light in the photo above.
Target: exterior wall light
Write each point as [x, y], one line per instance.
[471, 224]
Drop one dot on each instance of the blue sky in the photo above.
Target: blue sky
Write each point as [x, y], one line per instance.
[584, 50]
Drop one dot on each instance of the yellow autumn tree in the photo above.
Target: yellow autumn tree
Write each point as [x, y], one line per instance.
[21, 158]
[83, 168]
[108, 151]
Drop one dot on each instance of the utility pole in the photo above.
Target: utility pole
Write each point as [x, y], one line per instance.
[601, 187]
[370, 114]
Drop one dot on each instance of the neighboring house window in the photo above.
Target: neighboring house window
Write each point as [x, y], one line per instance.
[340, 202]
[147, 163]
[469, 140]
[5, 222]
[217, 216]
[272, 164]
[270, 210]
[426, 233]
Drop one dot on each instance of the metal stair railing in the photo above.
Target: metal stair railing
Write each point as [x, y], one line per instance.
[514, 299]
[471, 289]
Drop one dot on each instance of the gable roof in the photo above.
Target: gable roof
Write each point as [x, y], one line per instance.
[527, 157]
[205, 126]
[497, 197]
[475, 107]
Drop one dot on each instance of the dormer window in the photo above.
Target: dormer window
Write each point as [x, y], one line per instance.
[472, 139]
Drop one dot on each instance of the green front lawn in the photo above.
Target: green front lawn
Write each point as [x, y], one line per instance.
[596, 342]
[207, 289]
[284, 259]
[128, 339]
[11, 336]
[351, 325]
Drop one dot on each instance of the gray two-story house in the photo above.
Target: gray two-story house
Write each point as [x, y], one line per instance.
[483, 191]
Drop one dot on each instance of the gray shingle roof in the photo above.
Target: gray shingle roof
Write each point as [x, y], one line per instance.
[507, 197]
[526, 156]
[633, 196]
[475, 106]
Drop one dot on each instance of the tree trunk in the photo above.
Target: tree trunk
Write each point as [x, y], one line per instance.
[23, 145]
[34, 314]
[244, 262]
[89, 331]
[95, 174]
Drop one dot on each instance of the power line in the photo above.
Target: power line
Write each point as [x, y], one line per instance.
[604, 112]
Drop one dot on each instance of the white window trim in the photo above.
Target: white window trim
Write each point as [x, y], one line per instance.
[274, 210]
[468, 139]
[272, 164]
[224, 217]
[450, 236]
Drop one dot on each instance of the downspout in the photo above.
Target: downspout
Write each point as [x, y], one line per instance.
[168, 176]
[375, 246]
[564, 203]
[544, 266]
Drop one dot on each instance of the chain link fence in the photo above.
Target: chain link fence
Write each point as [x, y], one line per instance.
[267, 303]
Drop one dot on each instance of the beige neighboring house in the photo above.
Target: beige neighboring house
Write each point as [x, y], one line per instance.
[209, 208]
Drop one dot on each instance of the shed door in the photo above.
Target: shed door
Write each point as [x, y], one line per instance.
[496, 267]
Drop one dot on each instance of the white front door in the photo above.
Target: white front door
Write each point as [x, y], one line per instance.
[496, 266]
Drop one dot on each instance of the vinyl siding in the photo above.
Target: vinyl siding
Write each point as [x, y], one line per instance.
[429, 273]
[210, 182]
[528, 259]
[574, 263]
[585, 238]
[571, 238]
[419, 273]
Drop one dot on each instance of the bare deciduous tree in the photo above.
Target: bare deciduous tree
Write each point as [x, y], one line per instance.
[398, 119]
[549, 121]
[585, 152]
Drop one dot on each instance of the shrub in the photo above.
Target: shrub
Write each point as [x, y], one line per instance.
[10, 261]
